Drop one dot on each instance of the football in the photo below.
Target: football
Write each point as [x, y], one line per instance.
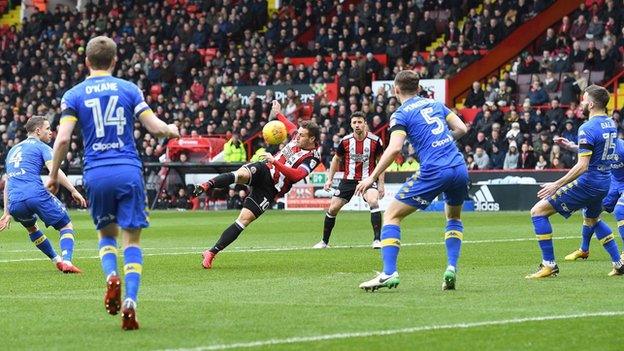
[274, 132]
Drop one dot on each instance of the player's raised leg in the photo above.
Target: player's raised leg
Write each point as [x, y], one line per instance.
[540, 214]
[335, 205]
[240, 176]
[390, 246]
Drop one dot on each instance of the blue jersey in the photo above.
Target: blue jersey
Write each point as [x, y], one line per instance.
[424, 123]
[23, 168]
[105, 108]
[617, 168]
[597, 137]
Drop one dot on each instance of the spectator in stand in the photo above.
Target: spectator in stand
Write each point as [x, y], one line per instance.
[595, 29]
[511, 158]
[234, 150]
[182, 202]
[569, 131]
[164, 200]
[497, 157]
[578, 29]
[541, 163]
[537, 95]
[555, 113]
[234, 201]
[569, 90]
[529, 65]
[481, 158]
[526, 160]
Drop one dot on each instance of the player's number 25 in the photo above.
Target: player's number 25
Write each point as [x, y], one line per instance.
[112, 116]
[427, 114]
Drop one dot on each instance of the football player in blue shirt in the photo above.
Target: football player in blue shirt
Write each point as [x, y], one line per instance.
[25, 197]
[432, 129]
[106, 108]
[612, 203]
[583, 187]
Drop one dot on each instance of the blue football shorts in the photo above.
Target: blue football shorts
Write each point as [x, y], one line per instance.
[421, 189]
[48, 208]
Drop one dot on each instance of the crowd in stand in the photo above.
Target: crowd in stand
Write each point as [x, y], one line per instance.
[182, 54]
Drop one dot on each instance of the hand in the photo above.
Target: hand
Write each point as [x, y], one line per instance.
[328, 185]
[276, 108]
[563, 142]
[173, 131]
[268, 157]
[364, 185]
[5, 221]
[548, 189]
[53, 185]
[382, 191]
[78, 197]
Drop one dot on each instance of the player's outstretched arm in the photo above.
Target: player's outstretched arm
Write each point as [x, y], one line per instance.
[157, 127]
[579, 168]
[456, 125]
[397, 138]
[276, 111]
[61, 145]
[5, 220]
[566, 144]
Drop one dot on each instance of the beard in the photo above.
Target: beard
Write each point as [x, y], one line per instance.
[586, 110]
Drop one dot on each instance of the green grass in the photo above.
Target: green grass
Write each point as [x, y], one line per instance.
[255, 296]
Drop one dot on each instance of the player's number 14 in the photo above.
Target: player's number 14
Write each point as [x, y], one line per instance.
[112, 116]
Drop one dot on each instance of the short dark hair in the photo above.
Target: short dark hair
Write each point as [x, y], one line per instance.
[35, 122]
[358, 114]
[101, 51]
[313, 129]
[598, 95]
[408, 81]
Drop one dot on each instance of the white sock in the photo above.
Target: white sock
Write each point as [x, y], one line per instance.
[550, 264]
[450, 268]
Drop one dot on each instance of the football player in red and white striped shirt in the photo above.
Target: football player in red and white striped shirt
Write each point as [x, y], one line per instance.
[358, 152]
[268, 179]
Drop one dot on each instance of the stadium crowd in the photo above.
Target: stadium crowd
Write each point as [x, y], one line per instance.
[182, 53]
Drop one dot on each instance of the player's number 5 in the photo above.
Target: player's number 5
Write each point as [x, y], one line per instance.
[430, 119]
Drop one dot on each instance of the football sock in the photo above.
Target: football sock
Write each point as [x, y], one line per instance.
[108, 255]
[604, 234]
[376, 222]
[619, 217]
[390, 245]
[586, 235]
[133, 267]
[328, 226]
[228, 237]
[222, 180]
[43, 244]
[453, 239]
[543, 232]
[67, 244]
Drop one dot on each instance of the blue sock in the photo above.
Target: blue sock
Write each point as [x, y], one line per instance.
[390, 245]
[453, 239]
[67, 244]
[619, 217]
[586, 235]
[108, 255]
[604, 234]
[543, 232]
[43, 244]
[133, 266]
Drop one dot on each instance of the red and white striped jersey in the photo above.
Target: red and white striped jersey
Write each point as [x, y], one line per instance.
[294, 157]
[359, 157]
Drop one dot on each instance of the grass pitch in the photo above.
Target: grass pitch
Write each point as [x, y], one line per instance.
[270, 291]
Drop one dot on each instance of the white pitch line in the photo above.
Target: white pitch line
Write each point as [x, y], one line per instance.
[197, 250]
[411, 330]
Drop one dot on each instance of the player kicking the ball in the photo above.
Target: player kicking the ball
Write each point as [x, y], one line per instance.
[25, 198]
[269, 179]
[358, 153]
